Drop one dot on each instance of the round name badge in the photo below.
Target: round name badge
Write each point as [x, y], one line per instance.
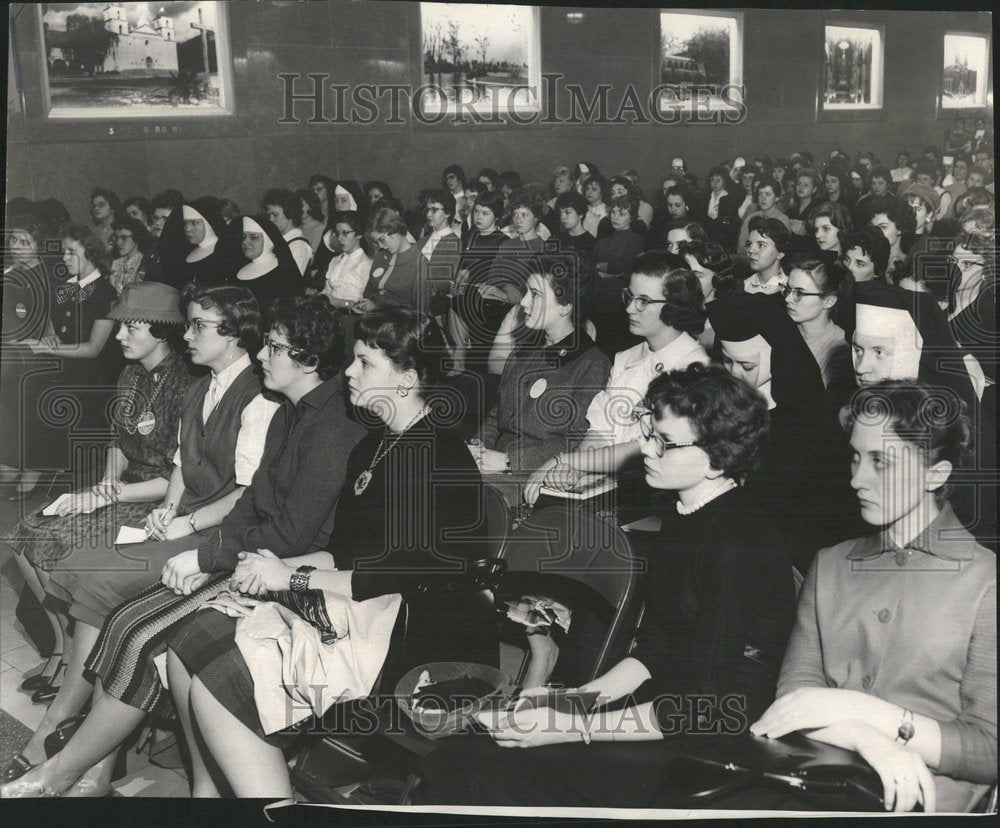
[21, 310]
[146, 424]
[538, 388]
[377, 272]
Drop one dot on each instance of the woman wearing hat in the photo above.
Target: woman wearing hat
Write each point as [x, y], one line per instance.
[188, 245]
[138, 463]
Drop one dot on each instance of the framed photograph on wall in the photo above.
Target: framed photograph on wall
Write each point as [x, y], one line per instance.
[701, 59]
[965, 75]
[135, 60]
[484, 57]
[852, 68]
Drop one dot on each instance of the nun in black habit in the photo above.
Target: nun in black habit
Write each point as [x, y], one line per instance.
[189, 245]
[266, 266]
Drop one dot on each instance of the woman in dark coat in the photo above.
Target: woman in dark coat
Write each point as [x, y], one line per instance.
[720, 586]
[268, 269]
[189, 245]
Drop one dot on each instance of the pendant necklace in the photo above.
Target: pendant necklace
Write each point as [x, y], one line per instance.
[366, 476]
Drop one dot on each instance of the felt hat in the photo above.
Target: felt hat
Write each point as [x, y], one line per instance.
[927, 194]
[148, 302]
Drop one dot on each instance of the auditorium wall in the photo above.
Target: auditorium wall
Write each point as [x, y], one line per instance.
[379, 42]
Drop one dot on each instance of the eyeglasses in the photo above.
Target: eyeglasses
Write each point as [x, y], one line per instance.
[965, 265]
[641, 302]
[344, 234]
[272, 346]
[199, 325]
[797, 293]
[252, 236]
[644, 417]
[430, 209]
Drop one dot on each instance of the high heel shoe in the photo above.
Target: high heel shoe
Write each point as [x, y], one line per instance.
[18, 767]
[22, 789]
[39, 680]
[59, 738]
[47, 693]
[84, 787]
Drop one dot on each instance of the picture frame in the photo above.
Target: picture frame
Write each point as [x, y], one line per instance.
[134, 60]
[467, 67]
[852, 73]
[700, 59]
[965, 72]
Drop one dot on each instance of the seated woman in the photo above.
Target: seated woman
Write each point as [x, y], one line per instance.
[322, 187]
[441, 249]
[684, 231]
[347, 274]
[395, 271]
[714, 269]
[288, 509]
[151, 389]
[595, 191]
[622, 187]
[719, 583]
[893, 654]
[766, 191]
[131, 240]
[141, 209]
[28, 298]
[866, 254]
[895, 219]
[720, 212]
[665, 306]
[614, 255]
[188, 245]
[810, 297]
[547, 382]
[284, 210]
[313, 224]
[514, 261]
[408, 487]
[265, 264]
[105, 207]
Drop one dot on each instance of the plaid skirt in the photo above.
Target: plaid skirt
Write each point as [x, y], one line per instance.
[138, 631]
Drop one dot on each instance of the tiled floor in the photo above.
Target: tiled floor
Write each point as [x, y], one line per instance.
[18, 656]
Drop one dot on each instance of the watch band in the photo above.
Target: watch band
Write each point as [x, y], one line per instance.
[906, 729]
[298, 581]
[191, 522]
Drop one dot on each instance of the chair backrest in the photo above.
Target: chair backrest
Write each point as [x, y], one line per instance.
[558, 545]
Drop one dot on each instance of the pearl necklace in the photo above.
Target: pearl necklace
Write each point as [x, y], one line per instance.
[365, 477]
[694, 507]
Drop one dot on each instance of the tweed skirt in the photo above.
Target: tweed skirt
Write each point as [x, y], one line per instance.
[138, 631]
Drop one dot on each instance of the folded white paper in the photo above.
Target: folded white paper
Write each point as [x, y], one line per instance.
[129, 534]
[55, 504]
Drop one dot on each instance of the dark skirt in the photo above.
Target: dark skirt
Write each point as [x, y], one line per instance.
[92, 582]
[49, 542]
[138, 631]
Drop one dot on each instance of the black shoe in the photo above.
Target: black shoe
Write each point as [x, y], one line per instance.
[47, 693]
[39, 680]
[59, 738]
[18, 767]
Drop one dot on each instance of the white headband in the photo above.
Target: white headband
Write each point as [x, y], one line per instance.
[896, 324]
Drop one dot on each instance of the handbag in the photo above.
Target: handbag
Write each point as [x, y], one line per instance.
[716, 769]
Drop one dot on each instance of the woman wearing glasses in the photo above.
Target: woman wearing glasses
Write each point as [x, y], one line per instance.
[288, 510]
[266, 266]
[719, 604]
[347, 274]
[131, 240]
[665, 305]
[395, 270]
[810, 296]
[189, 242]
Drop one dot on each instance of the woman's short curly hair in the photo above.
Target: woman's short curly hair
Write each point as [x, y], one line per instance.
[93, 247]
[140, 233]
[34, 225]
[933, 419]
[410, 339]
[311, 324]
[684, 308]
[728, 417]
[239, 309]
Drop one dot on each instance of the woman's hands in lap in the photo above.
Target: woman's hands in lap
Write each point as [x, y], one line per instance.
[813, 707]
[532, 728]
[259, 572]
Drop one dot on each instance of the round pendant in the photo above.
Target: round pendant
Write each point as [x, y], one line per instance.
[146, 423]
[538, 388]
[658, 367]
[362, 482]
[21, 310]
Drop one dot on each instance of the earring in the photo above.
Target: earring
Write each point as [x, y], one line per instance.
[402, 391]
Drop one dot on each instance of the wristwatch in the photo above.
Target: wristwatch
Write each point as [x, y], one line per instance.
[299, 579]
[191, 522]
[906, 729]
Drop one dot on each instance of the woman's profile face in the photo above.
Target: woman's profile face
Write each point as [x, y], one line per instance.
[539, 304]
[562, 184]
[749, 361]
[888, 474]
[705, 277]
[675, 237]
[374, 194]
[920, 211]
[437, 218]
[135, 212]
[125, 242]
[887, 226]
[680, 468]
[372, 380]
[320, 189]
[75, 258]
[277, 217]
[618, 190]
[100, 209]
[826, 233]
[279, 370]
[809, 307]
[569, 218]
[857, 181]
[136, 341]
[859, 264]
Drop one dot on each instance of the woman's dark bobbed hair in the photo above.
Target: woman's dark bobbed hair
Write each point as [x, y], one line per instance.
[312, 325]
[239, 309]
[727, 415]
[410, 339]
